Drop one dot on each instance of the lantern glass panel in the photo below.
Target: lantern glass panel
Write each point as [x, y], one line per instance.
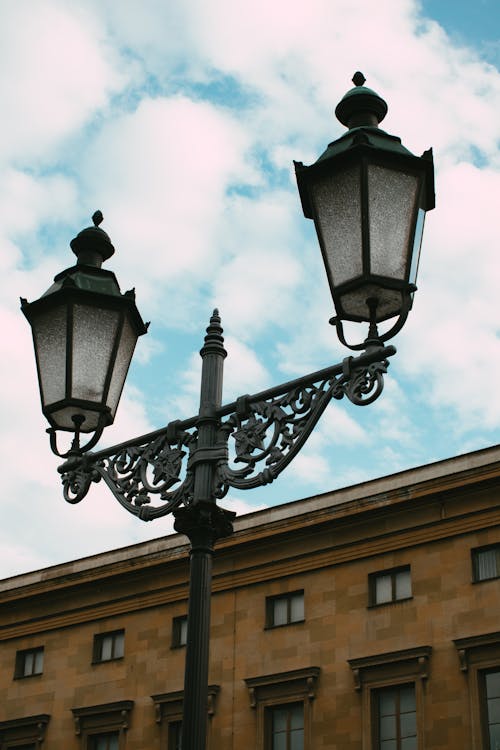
[94, 335]
[63, 418]
[392, 197]
[124, 354]
[337, 202]
[49, 332]
[417, 244]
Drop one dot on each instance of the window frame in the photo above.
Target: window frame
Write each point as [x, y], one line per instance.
[477, 656]
[20, 662]
[268, 722]
[98, 644]
[90, 721]
[392, 572]
[475, 563]
[375, 709]
[28, 730]
[275, 690]
[287, 597]
[169, 709]
[177, 631]
[392, 669]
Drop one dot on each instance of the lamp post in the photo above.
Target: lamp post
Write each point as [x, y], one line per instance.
[368, 196]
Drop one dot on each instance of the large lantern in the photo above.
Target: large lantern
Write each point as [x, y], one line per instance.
[368, 196]
[84, 334]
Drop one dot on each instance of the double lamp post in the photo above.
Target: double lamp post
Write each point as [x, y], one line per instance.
[367, 195]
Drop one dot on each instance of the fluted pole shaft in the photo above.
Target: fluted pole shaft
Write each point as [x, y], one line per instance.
[203, 523]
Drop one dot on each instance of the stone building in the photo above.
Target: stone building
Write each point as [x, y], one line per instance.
[361, 619]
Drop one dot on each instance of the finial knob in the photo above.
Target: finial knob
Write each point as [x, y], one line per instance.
[361, 107]
[97, 218]
[92, 245]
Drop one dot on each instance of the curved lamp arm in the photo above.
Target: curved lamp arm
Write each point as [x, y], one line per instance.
[267, 430]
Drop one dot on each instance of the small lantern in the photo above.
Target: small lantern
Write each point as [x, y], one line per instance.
[84, 334]
[368, 196]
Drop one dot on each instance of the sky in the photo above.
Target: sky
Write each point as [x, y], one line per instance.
[181, 121]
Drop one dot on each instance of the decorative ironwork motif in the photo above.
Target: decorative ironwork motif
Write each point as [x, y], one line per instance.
[135, 473]
[264, 432]
[271, 432]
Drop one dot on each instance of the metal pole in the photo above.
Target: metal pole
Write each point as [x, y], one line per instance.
[203, 523]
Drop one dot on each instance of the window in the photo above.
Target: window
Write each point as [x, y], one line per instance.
[486, 563]
[29, 662]
[392, 697]
[27, 733]
[108, 646]
[283, 705]
[168, 707]
[395, 725]
[491, 688]
[179, 631]
[479, 659]
[106, 741]
[285, 727]
[284, 609]
[389, 586]
[103, 727]
[175, 735]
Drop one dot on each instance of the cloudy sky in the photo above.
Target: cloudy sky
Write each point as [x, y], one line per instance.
[180, 122]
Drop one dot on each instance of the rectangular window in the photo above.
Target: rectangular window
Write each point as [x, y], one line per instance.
[491, 709]
[179, 631]
[390, 586]
[395, 722]
[284, 609]
[285, 727]
[175, 735]
[29, 662]
[486, 563]
[105, 741]
[108, 646]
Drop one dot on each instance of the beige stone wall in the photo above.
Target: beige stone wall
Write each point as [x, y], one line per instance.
[328, 553]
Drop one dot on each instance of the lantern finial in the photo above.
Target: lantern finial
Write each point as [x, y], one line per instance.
[92, 245]
[361, 106]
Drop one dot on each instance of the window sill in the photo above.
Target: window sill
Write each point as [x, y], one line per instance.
[388, 604]
[107, 661]
[284, 625]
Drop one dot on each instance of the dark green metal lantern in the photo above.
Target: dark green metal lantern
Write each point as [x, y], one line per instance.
[368, 196]
[84, 334]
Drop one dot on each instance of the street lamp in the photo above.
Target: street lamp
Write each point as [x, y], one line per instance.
[367, 195]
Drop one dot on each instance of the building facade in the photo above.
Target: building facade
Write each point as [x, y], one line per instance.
[362, 619]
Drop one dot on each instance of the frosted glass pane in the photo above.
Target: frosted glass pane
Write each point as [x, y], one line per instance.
[280, 613]
[391, 203]
[494, 711]
[63, 417]
[119, 639]
[495, 737]
[28, 663]
[388, 745]
[408, 725]
[337, 200]
[124, 355]
[389, 302]
[94, 333]
[403, 584]
[279, 742]
[49, 331]
[407, 699]
[297, 608]
[409, 743]
[417, 244]
[383, 589]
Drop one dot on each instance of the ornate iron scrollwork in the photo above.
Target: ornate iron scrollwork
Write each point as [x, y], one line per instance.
[136, 472]
[264, 432]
